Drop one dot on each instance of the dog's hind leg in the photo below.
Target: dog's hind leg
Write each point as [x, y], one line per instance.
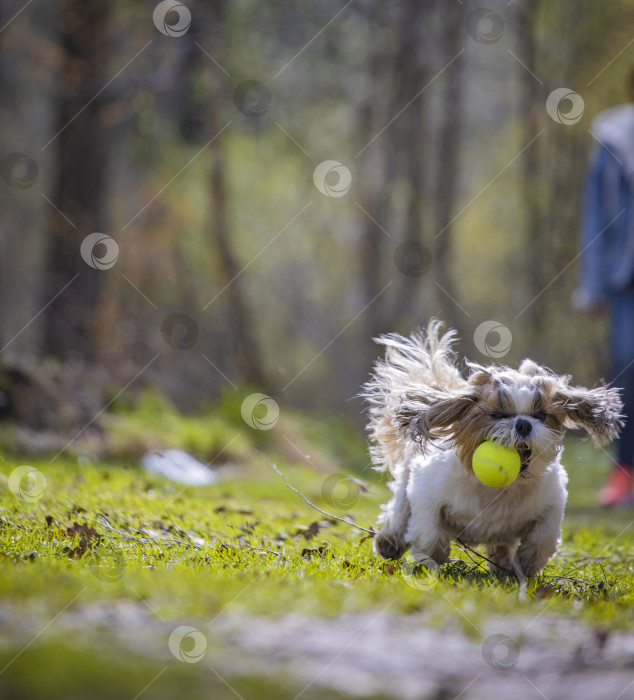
[390, 542]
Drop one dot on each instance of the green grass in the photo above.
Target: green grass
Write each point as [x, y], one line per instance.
[244, 546]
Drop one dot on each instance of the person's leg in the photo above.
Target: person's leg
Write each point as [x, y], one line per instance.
[618, 490]
[625, 443]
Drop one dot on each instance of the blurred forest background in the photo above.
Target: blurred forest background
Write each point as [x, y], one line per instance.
[191, 135]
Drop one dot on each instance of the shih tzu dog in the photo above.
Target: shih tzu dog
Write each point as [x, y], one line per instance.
[426, 420]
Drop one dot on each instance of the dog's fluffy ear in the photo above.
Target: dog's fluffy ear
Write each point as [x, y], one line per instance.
[423, 422]
[598, 411]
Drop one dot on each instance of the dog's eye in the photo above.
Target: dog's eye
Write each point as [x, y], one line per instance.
[498, 416]
[540, 415]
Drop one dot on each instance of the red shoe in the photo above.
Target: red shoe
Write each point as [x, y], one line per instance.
[618, 490]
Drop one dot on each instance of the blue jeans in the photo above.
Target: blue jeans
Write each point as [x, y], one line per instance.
[622, 366]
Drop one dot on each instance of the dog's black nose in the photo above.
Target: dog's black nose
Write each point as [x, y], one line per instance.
[523, 426]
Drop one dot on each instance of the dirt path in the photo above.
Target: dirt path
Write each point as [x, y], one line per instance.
[366, 654]
[371, 654]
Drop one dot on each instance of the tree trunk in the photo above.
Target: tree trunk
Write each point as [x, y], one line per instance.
[242, 339]
[373, 204]
[408, 148]
[71, 321]
[445, 189]
[535, 240]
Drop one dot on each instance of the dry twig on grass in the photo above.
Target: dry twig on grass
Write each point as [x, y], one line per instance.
[312, 505]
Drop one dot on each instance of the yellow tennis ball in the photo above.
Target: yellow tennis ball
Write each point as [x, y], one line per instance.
[495, 465]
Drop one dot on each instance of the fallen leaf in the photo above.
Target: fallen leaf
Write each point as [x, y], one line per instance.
[308, 553]
[83, 530]
[88, 537]
[309, 532]
[388, 568]
[347, 565]
[546, 590]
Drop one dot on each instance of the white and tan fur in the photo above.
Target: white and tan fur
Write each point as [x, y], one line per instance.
[426, 420]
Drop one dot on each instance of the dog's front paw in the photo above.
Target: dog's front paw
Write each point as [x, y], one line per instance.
[533, 558]
[389, 546]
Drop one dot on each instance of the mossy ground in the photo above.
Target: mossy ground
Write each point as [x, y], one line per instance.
[247, 545]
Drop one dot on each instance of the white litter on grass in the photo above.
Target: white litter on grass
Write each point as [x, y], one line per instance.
[178, 466]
